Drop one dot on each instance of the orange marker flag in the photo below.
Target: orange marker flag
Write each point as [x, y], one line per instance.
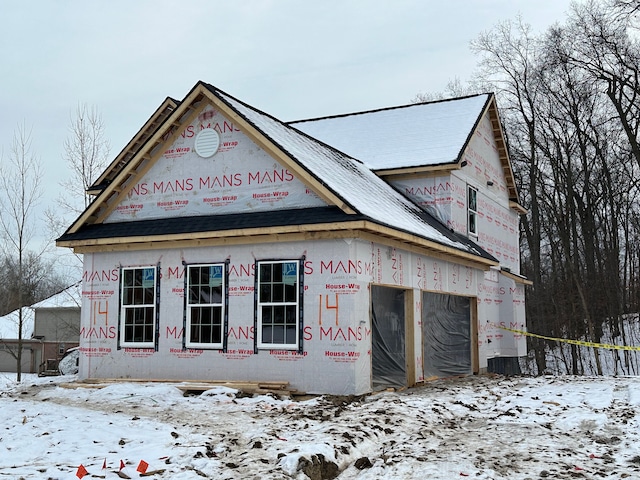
[81, 471]
[104, 464]
[142, 466]
[122, 465]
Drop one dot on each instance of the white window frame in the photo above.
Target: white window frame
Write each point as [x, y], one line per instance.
[472, 211]
[220, 273]
[132, 301]
[266, 308]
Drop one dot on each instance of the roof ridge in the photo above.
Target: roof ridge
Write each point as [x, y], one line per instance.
[383, 109]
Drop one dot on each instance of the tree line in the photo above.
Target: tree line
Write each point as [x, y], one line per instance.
[570, 103]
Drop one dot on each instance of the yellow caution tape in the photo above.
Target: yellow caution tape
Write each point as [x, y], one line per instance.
[575, 342]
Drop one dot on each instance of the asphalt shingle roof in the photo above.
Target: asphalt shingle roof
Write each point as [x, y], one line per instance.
[211, 223]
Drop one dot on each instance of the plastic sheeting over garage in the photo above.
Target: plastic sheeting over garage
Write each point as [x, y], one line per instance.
[446, 335]
[388, 337]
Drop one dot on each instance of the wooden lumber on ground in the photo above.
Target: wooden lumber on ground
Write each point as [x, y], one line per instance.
[280, 388]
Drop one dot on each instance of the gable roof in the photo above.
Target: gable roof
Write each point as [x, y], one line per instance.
[425, 136]
[340, 180]
[350, 179]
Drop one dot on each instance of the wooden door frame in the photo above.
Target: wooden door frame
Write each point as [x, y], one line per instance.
[409, 334]
[475, 356]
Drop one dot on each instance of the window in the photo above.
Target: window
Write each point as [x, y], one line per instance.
[206, 306]
[278, 305]
[138, 307]
[472, 208]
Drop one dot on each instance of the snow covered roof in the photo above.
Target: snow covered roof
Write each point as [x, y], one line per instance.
[67, 298]
[339, 179]
[349, 179]
[408, 136]
[9, 324]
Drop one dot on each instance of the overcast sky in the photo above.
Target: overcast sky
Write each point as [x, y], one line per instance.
[291, 58]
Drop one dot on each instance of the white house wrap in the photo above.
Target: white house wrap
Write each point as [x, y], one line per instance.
[341, 255]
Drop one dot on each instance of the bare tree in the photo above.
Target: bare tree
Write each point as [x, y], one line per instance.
[510, 63]
[40, 280]
[627, 8]
[20, 180]
[570, 100]
[602, 46]
[455, 88]
[86, 152]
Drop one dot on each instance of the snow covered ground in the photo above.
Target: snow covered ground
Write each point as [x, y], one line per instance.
[484, 427]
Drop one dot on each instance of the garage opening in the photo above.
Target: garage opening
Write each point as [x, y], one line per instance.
[446, 335]
[388, 359]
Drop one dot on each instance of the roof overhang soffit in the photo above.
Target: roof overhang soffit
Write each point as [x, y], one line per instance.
[426, 170]
[140, 138]
[362, 229]
[501, 144]
[516, 278]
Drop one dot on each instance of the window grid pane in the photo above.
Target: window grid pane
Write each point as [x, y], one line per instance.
[205, 304]
[205, 325]
[138, 305]
[278, 303]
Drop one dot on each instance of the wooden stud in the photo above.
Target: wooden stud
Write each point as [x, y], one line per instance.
[409, 341]
[158, 116]
[475, 359]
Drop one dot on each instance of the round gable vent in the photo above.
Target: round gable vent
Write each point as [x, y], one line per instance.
[207, 142]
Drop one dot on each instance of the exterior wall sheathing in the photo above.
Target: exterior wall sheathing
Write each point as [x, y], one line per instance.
[336, 326]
